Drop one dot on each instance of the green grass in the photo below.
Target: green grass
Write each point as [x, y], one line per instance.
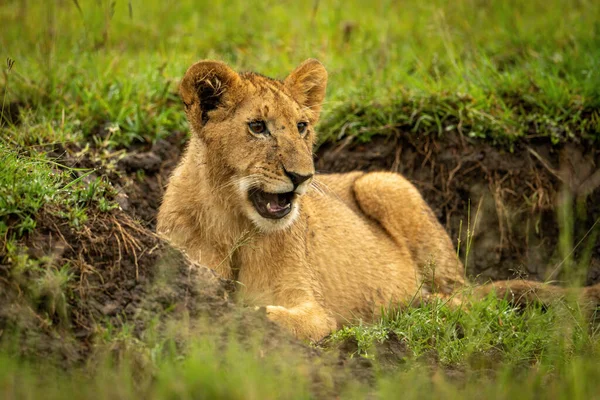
[491, 327]
[30, 183]
[489, 349]
[102, 75]
[498, 70]
[205, 372]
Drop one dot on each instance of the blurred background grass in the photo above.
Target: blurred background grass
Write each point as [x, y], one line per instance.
[492, 64]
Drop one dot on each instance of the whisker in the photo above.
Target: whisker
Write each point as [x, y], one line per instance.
[320, 187]
[252, 180]
[317, 188]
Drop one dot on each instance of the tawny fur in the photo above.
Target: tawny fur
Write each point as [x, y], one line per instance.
[353, 244]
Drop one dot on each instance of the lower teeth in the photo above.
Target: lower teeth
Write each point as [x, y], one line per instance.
[288, 205]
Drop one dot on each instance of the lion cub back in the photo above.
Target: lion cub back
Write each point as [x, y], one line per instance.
[396, 206]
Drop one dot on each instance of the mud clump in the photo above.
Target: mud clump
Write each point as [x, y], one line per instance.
[139, 175]
[73, 283]
[145, 173]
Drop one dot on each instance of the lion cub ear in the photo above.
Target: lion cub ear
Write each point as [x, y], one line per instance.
[307, 84]
[204, 88]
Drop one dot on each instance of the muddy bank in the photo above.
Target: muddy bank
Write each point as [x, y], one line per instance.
[518, 203]
[64, 288]
[69, 287]
[515, 206]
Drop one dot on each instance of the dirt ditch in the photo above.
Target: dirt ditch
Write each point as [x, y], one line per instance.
[515, 205]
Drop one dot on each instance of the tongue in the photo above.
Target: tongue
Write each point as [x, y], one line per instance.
[275, 203]
[274, 207]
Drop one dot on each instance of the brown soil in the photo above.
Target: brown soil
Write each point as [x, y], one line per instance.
[121, 272]
[12, 113]
[513, 196]
[143, 194]
[511, 199]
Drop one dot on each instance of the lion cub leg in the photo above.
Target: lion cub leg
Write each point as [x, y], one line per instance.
[398, 206]
[306, 321]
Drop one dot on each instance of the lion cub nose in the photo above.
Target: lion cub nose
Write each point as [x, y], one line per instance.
[297, 179]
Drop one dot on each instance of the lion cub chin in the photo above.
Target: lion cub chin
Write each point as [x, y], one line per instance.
[317, 251]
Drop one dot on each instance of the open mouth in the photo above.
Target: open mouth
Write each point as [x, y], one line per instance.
[271, 205]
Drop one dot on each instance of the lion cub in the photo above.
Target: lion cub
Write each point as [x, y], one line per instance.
[317, 251]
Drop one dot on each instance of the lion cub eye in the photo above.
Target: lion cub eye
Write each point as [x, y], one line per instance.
[258, 127]
[302, 127]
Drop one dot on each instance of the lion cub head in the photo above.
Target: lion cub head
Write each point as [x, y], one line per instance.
[258, 135]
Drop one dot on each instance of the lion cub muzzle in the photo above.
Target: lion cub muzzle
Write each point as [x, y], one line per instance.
[274, 205]
[271, 205]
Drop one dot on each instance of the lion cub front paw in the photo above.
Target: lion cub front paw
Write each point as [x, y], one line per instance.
[279, 315]
[304, 322]
[261, 309]
[284, 318]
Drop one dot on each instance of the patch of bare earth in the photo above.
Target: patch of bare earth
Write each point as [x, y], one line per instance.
[120, 273]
